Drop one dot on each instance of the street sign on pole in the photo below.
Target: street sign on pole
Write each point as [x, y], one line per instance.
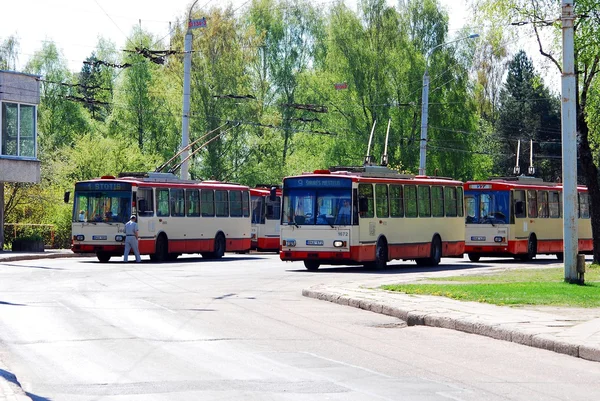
[197, 23]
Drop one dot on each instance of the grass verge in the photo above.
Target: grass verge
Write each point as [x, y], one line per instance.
[514, 287]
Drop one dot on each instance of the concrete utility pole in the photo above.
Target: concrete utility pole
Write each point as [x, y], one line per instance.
[425, 105]
[569, 145]
[185, 120]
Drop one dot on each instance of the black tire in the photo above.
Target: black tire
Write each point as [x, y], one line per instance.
[436, 252]
[311, 265]
[219, 246]
[474, 257]
[381, 255]
[560, 256]
[161, 253]
[103, 257]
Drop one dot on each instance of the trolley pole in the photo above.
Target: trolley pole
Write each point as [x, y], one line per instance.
[569, 145]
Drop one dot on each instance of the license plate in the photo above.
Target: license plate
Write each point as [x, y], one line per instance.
[478, 238]
[99, 237]
[314, 242]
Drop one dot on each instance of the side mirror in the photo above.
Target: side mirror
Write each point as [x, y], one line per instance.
[67, 196]
[273, 194]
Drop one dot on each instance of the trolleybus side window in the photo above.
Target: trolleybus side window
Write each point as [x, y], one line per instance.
[162, 201]
[451, 204]
[221, 203]
[532, 203]
[381, 200]
[543, 204]
[192, 199]
[396, 201]
[410, 197]
[584, 206]
[424, 201]
[177, 202]
[365, 194]
[207, 202]
[145, 202]
[437, 201]
[554, 203]
[235, 203]
[459, 202]
[246, 203]
[519, 201]
[273, 208]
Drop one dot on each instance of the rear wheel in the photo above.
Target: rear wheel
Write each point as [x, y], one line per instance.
[219, 246]
[436, 251]
[311, 265]
[531, 250]
[560, 256]
[162, 249]
[103, 257]
[474, 257]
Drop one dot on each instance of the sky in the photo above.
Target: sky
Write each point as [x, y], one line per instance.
[76, 25]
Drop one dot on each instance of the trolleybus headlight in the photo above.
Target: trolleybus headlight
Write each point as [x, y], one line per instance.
[119, 238]
[289, 242]
[79, 237]
[498, 239]
[339, 244]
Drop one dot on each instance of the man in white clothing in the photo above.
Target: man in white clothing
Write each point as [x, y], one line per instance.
[131, 239]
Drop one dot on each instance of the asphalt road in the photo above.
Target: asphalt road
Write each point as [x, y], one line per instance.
[239, 329]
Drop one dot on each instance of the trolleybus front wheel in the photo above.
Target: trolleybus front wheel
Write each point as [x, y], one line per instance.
[311, 265]
[473, 257]
[103, 257]
[381, 256]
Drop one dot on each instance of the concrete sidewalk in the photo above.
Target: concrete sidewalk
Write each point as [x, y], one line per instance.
[571, 331]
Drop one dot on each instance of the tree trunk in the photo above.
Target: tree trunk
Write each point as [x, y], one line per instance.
[591, 178]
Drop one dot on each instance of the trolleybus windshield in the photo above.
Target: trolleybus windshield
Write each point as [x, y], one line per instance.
[487, 207]
[317, 206]
[109, 203]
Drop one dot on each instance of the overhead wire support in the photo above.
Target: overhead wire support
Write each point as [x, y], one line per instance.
[177, 166]
[165, 164]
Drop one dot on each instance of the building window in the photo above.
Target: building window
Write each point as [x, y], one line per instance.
[18, 129]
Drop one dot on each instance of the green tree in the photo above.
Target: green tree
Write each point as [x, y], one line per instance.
[9, 53]
[60, 119]
[528, 112]
[142, 107]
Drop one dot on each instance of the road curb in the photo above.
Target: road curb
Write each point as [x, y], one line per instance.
[465, 323]
[16, 258]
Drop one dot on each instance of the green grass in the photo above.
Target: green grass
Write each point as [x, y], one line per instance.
[514, 287]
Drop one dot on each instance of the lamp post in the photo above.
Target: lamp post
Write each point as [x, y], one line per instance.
[185, 120]
[425, 104]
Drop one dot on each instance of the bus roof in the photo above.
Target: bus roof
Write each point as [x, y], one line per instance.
[375, 174]
[153, 179]
[521, 182]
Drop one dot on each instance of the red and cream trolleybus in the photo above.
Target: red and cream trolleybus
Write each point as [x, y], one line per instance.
[174, 216]
[520, 217]
[266, 215]
[370, 215]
